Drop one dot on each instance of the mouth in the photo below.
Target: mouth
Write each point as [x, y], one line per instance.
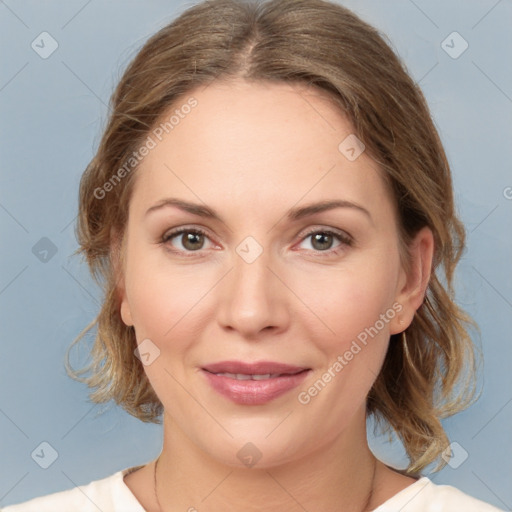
[243, 376]
[253, 383]
[265, 368]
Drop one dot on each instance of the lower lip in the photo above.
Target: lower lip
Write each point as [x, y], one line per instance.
[254, 392]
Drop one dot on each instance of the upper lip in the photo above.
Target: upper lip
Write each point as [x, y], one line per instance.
[256, 368]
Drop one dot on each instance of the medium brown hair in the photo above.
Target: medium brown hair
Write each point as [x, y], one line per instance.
[426, 376]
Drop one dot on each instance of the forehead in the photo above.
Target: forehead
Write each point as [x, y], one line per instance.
[258, 142]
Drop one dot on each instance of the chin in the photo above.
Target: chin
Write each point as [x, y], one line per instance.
[258, 447]
[249, 455]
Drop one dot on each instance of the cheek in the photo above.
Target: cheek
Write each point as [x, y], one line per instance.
[351, 298]
[165, 307]
[163, 298]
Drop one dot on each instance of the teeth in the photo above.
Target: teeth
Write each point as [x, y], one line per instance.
[242, 376]
[261, 377]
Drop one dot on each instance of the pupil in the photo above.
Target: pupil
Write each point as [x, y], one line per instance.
[324, 241]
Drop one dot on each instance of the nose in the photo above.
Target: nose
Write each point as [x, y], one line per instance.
[253, 298]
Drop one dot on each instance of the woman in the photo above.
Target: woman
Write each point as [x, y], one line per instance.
[271, 214]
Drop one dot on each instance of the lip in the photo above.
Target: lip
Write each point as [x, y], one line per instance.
[284, 378]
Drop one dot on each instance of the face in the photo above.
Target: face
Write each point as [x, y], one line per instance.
[266, 319]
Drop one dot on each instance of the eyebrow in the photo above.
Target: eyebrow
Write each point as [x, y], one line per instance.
[293, 214]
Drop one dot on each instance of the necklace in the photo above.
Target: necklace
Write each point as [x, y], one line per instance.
[156, 494]
[368, 500]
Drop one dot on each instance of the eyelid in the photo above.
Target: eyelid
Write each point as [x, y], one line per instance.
[323, 229]
[171, 233]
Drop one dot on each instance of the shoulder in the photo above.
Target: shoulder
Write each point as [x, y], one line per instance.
[109, 494]
[426, 496]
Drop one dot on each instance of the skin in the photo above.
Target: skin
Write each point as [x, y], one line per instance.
[252, 152]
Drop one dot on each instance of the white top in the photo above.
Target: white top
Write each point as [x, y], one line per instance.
[111, 494]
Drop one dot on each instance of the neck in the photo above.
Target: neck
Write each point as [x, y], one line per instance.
[190, 479]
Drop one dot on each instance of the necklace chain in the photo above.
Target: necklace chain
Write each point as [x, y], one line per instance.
[156, 494]
[370, 494]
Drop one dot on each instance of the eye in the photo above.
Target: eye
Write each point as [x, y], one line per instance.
[322, 240]
[187, 239]
[190, 240]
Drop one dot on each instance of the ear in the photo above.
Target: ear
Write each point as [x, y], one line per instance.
[126, 314]
[117, 253]
[412, 285]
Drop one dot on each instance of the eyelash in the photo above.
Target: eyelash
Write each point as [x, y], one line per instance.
[346, 240]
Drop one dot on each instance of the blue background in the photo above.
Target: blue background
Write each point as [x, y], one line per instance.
[52, 112]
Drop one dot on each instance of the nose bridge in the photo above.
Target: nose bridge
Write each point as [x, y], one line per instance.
[251, 276]
[250, 301]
